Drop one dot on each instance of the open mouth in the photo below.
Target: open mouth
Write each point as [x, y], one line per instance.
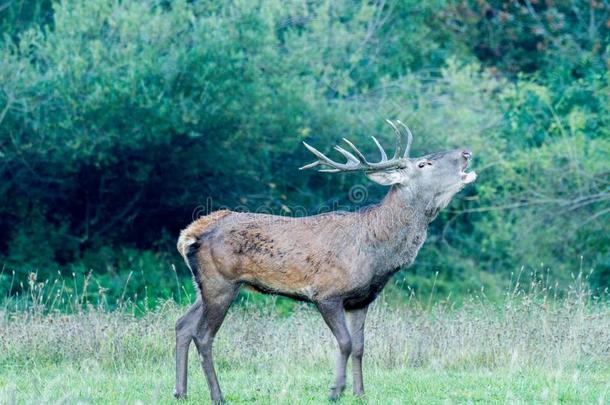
[467, 177]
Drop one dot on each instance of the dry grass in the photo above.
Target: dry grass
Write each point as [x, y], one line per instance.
[530, 333]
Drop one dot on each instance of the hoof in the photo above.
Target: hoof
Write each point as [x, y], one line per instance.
[335, 393]
[359, 394]
[179, 394]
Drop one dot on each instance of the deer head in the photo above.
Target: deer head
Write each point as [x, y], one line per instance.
[433, 178]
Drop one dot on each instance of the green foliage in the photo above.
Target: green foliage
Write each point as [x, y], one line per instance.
[19, 15]
[121, 121]
[532, 35]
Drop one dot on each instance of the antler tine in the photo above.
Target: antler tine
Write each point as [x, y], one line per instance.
[384, 157]
[409, 139]
[348, 155]
[398, 135]
[355, 149]
[310, 165]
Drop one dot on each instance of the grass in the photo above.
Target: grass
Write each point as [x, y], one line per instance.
[531, 349]
[90, 382]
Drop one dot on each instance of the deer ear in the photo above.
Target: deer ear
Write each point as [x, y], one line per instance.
[387, 178]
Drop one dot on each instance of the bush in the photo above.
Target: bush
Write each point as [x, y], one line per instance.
[123, 120]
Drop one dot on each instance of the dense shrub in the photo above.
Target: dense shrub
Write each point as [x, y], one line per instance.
[122, 120]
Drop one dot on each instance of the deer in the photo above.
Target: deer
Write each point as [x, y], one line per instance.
[339, 261]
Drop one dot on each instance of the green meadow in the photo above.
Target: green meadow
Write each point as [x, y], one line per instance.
[531, 349]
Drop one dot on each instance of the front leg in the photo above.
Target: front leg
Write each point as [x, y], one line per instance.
[356, 325]
[334, 315]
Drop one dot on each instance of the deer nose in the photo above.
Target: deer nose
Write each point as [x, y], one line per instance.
[467, 154]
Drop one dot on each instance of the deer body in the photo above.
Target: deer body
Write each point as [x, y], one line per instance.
[339, 261]
[306, 258]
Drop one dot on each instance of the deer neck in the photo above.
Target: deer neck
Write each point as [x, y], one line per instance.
[396, 228]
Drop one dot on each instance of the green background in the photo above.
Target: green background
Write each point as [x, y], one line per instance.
[121, 121]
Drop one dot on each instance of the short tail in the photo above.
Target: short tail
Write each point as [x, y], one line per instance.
[189, 241]
[185, 241]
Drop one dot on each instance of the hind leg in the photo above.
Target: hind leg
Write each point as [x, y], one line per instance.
[356, 319]
[216, 306]
[186, 327]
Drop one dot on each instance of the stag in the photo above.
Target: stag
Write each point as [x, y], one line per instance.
[339, 261]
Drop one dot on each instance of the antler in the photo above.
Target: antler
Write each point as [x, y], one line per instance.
[358, 161]
[409, 139]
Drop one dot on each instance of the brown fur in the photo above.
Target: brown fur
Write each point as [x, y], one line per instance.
[311, 257]
[340, 261]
